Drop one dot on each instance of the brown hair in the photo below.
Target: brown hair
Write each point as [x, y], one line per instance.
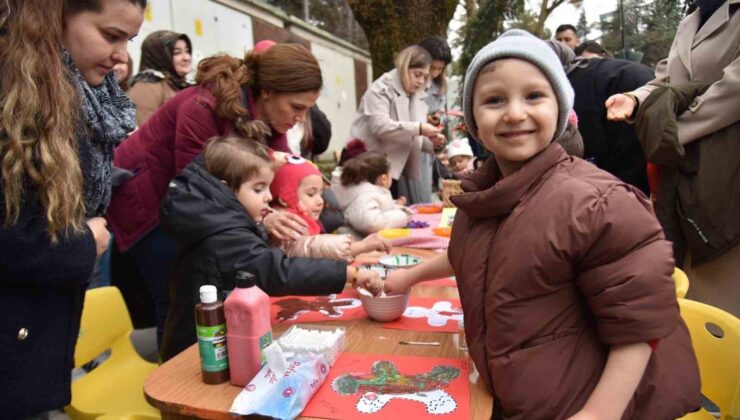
[287, 68]
[73, 7]
[412, 57]
[365, 167]
[38, 140]
[234, 159]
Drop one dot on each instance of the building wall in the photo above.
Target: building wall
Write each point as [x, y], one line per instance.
[234, 26]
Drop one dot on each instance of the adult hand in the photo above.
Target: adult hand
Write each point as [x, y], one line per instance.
[429, 130]
[370, 280]
[438, 140]
[619, 107]
[100, 232]
[397, 282]
[285, 226]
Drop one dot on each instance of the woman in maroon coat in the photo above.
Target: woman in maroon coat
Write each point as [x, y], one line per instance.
[277, 86]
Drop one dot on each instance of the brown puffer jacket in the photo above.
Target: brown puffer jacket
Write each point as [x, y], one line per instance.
[555, 263]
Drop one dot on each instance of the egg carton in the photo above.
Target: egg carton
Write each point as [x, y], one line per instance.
[304, 338]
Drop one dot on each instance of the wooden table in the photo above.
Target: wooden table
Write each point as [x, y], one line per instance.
[176, 388]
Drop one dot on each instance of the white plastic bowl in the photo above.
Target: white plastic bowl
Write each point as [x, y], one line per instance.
[383, 308]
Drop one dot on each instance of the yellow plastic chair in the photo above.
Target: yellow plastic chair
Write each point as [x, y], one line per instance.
[114, 389]
[682, 282]
[719, 358]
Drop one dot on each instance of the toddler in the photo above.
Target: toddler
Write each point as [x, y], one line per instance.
[563, 271]
[364, 194]
[297, 188]
[461, 158]
[214, 210]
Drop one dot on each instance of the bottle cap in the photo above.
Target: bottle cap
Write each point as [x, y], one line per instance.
[208, 294]
[245, 279]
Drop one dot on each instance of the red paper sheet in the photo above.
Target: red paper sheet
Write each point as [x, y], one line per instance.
[429, 314]
[371, 386]
[299, 309]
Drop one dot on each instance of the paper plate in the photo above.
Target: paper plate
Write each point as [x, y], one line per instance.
[394, 233]
[400, 261]
[381, 269]
[442, 231]
[429, 209]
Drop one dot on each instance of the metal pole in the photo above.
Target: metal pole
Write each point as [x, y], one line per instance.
[621, 13]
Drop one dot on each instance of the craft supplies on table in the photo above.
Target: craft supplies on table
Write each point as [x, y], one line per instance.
[328, 340]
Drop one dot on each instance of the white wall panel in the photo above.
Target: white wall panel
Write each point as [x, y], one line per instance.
[337, 98]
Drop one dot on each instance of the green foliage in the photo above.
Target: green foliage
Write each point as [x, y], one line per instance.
[648, 29]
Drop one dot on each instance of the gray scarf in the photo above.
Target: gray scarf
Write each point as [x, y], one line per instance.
[107, 117]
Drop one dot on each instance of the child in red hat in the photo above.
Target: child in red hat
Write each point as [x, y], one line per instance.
[297, 188]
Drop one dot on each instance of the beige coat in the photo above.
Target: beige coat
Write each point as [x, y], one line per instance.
[388, 121]
[709, 54]
[149, 97]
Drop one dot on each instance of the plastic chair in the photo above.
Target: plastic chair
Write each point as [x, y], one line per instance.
[114, 389]
[682, 282]
[719, 358]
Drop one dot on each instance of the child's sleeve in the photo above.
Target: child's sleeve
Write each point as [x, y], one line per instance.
[278, 274]
[335, 247]
[367, 215]
[624, 267]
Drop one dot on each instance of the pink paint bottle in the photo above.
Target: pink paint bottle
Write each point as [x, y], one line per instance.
[248, 329]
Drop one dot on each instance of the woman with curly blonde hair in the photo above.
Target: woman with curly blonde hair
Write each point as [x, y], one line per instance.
[277, 86]
[61, 114]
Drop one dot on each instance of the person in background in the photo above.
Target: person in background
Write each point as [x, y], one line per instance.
[297, 188]
[436, 100]
[166, 60]
[592, 49]
[123, 72]
[612, 146]
[277, 87]
[392, 119]
[62, 113]
[563, 271]
[568, 35]
[461, 160]
[214, 209]
[364, 194]
[707, 242]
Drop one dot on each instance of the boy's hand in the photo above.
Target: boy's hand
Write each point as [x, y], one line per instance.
[397, 282]
[619, 107]
[375, 243]
[98, 227]
[401, 201]
[370, 281]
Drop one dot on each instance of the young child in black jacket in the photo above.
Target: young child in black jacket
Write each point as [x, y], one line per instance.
[214, 209]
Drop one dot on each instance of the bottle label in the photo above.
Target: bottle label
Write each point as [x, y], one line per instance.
[212, 346]
[265, 341]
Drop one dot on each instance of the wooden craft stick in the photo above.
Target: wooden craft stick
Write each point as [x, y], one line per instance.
[420, 343]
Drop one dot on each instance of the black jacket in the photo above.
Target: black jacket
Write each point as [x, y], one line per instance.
[613, 146]
[42, 288]
[218, 239]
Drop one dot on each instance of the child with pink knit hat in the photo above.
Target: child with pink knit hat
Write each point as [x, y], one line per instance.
[297, 188]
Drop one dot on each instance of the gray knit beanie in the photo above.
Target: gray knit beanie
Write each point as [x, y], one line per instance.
[517, 43]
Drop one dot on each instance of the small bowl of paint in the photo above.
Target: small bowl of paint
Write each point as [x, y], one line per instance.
[400, 261]
[383, 308]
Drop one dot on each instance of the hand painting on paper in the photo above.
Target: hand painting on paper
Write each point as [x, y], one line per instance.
[386, 383]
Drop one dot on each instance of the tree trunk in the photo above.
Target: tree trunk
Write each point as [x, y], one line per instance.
[392, 25]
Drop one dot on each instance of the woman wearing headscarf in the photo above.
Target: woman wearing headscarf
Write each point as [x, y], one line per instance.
[165, 62]
[705, 49]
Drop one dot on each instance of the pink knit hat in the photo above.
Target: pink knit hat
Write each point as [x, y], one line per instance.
[288, 177]
[263, 46]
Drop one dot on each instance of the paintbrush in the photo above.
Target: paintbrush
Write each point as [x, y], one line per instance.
[419, 343]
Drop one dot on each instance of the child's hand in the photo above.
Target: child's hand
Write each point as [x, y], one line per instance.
[370, 281]
[401, 201]
[396, 282]
[375, 243]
